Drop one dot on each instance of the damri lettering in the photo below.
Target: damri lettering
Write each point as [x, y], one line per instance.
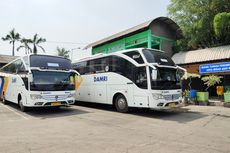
[100, 78]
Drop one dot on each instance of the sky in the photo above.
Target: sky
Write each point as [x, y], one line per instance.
[73, 24]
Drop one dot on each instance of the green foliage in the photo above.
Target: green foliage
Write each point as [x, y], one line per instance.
[189, 76]
[12, 37]
[195, 17]
[36, 41]
[222, 26]
[63, 52]
[25, 44]
[211, 80]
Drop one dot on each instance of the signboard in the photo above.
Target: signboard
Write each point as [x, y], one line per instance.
[215, 67]
[53, 64]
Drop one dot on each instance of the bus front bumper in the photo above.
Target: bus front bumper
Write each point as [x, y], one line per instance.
[169, 106]
[53, 104]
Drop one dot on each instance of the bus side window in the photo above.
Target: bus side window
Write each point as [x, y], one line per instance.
[81, 67]
[123, 67]
[6, 69]
[91, 67]
[141, 77]
[20, 68]
[26, 60]
[12, 68]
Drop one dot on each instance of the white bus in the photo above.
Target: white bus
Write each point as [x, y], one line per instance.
[38, 81]
[143, 78]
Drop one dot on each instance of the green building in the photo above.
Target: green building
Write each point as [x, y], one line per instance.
[160, 33]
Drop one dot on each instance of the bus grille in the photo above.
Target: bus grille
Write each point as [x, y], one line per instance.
[55, 97]
[171, 97]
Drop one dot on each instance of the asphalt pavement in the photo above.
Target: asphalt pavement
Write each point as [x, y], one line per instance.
[95, 128]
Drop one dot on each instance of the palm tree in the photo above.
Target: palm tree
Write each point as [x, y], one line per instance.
[63, 52]
[25, 44]
[36, 41]
[12, 37]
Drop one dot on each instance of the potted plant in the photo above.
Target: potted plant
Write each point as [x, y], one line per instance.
[185, 95]
[191, 93]
[227, 98]
[211, 80]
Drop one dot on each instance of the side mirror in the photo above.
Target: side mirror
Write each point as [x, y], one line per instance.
[154, 74]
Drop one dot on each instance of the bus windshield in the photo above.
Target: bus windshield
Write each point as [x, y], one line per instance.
[167, 78]
[52, 81]
[50, 62]
[158, 57]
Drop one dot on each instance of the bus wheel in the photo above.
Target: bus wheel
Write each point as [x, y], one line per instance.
[4, 101]
[22, 107]
[121, 104]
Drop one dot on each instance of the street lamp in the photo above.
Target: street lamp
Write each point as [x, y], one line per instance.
[72, 52]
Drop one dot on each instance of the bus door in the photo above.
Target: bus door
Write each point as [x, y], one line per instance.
[130, 86]
[99, 88]
[140, 94]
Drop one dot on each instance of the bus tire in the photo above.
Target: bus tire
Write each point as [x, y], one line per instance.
[22, 107]
[4, 101]
[121, 104]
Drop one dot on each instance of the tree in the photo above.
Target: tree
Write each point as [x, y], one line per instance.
[222, 26]
[25, 44]
[36, 41]
[211, 80]
[12, 37]
[63, 52]
[195, 17]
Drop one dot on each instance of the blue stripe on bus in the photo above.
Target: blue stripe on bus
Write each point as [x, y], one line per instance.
[1, 85]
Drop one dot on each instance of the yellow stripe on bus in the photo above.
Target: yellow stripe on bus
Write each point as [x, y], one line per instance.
[78, 81]
[5, 85]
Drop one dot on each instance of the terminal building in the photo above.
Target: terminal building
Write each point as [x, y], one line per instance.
[207, 61]
[4, 59]
[160, 33]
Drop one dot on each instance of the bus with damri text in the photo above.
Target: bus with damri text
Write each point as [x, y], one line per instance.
[143, 78]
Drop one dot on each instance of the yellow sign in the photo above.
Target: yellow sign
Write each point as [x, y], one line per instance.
[220, 90]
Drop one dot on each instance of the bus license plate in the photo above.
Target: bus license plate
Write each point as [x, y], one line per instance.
[55, 104]
[172, 104]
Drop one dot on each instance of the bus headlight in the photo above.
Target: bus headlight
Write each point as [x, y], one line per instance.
[34, 96]
[157, 96]
[71, 95]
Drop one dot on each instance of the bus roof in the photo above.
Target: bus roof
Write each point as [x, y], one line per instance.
[41, 62]
[100, 55]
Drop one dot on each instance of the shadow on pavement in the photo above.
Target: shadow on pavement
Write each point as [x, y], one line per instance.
[180, 115]
[50, 112]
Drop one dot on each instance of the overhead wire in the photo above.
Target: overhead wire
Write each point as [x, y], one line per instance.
[66, 42]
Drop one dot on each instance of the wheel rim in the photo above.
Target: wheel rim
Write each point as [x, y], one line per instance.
[121, 103]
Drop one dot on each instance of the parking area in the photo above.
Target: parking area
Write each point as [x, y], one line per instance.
[99, 128]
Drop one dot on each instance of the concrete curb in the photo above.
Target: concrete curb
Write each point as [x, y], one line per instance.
[227, 104]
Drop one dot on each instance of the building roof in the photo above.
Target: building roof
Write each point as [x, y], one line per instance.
[7, 58]
[141, 27]
[202, 55]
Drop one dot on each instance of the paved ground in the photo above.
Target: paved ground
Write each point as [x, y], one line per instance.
[98, 128]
